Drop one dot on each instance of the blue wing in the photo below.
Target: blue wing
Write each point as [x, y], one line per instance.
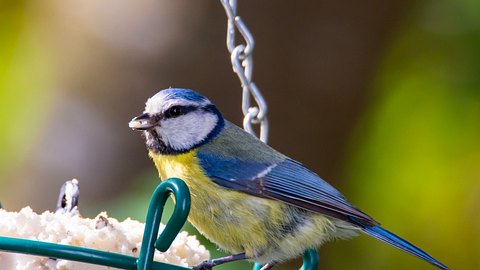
[286, 180]
[290, 182]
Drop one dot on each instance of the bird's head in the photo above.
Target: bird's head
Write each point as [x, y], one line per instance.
[177, 120]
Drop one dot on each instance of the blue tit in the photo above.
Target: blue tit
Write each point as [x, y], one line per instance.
[247, 197]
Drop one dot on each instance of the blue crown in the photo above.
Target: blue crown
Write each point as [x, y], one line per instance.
[181, 93]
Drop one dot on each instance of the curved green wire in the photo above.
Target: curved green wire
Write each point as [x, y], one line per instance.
[175, 223]
[310, 260]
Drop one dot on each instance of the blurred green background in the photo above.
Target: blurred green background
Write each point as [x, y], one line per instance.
[381, 98]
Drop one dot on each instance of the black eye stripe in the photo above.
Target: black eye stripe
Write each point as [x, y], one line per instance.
[178, 110]
[210, 108]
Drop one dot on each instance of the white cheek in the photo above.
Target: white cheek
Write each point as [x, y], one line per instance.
[185, 131]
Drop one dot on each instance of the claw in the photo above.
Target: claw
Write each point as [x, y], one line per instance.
[268, 266]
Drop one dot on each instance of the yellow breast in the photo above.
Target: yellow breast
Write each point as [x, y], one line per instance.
[229, 218]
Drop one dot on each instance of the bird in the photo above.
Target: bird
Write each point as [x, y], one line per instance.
[246, 197]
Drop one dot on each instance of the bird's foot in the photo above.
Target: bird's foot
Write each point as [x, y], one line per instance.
[205, 265]
[209, 264]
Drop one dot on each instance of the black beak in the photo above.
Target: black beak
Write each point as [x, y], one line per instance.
[143, 122]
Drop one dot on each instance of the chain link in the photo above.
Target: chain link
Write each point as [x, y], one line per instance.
[242, 63]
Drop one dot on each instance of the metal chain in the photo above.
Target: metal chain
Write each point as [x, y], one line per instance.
[242, 63]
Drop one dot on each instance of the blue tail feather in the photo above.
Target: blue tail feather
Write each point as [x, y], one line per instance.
[394, 240]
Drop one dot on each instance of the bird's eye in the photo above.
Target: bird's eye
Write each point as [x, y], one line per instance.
[174, 112]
